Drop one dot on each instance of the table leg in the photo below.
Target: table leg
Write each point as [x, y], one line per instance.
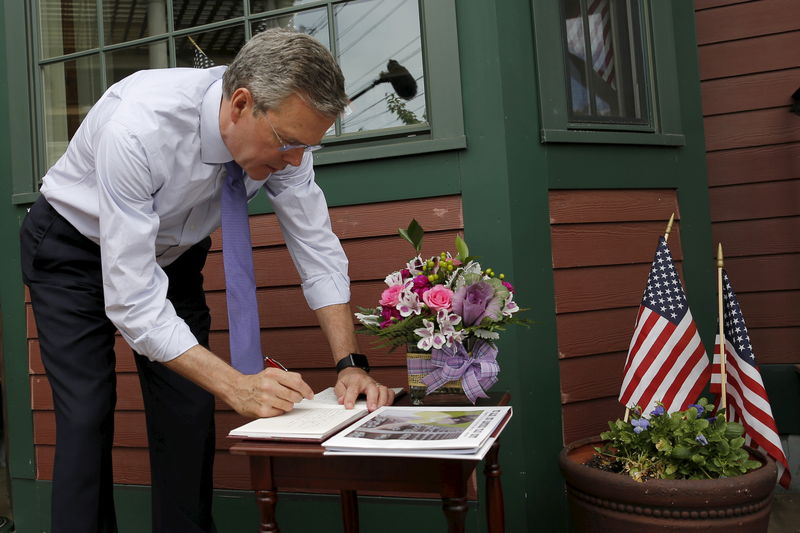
[495, 511]
[266, 493]
[349, 500]
[454, 494]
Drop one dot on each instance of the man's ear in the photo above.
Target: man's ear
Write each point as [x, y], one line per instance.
[241, 102]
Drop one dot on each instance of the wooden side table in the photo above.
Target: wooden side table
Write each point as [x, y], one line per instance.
[302, 465]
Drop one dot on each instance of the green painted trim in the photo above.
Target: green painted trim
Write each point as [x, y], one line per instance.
[14, 148]
[17, 76]
[237, 511]
[658, 35]
[611, 137]
[380, 149]
[24, 198]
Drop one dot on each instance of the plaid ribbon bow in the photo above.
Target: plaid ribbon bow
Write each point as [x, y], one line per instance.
[477, 373]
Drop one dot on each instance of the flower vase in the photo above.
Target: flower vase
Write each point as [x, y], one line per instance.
[419, 365]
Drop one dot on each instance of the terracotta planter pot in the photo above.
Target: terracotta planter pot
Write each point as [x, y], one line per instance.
[606, 502]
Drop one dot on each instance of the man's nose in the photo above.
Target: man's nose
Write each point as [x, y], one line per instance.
[293, 157]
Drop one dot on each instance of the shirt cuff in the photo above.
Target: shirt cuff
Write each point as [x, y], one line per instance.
[327, 290]
[164, 343]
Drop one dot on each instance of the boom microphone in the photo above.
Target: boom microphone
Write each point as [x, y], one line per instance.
[401, 79]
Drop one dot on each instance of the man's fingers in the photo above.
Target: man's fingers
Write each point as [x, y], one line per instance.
[290, 381]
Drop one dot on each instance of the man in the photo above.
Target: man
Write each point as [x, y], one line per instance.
[118, 239]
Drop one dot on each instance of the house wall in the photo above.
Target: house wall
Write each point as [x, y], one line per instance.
[521, 204]
[749, 68]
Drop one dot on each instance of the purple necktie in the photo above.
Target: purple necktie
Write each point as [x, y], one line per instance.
[240, 282]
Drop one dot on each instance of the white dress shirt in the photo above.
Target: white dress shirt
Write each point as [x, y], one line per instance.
[142, 178]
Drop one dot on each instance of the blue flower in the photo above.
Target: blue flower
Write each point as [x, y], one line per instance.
[700, 408]
[640, 424]
[701, 439]
[658, 411]
[712, 419]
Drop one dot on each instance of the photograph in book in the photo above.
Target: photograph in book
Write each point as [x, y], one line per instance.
[422, 428]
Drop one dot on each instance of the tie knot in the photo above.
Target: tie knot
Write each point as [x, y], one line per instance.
[234, 171]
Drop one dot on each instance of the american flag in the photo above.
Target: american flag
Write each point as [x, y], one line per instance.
[598, 14]
[667, 361]
[747, 398]
[201, 60]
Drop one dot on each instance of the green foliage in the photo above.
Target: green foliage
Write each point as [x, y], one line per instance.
[398, 107]
[413, 234]
[688, 444]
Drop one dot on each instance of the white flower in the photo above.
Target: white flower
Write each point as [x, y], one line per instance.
[447, 321]
[428, 337]
[415, 266]
[408, 302]
[510, 306]
[395, 278]
[368, 320]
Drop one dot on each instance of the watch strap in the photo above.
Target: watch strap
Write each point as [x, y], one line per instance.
[356, 360]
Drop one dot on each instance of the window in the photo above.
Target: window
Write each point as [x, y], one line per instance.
[81, 47]
[605, 86]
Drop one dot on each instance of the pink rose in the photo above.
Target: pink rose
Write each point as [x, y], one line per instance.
[391, 296]
[439, 297]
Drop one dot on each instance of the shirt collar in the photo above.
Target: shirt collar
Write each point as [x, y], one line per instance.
[212, 147]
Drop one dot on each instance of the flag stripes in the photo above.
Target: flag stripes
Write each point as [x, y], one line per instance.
[666, 361]
[747, 398]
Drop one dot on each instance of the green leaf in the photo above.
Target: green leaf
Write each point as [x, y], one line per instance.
[413, 234]
[462, 249]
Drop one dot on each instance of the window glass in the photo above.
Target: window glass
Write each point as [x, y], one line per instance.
[70, 89]
[124, 62]
[219, 46]
[379, 48]
[313, 22]
[190, 13]
[257, 6]
[126, 20]
[67, 26]
[605, 61]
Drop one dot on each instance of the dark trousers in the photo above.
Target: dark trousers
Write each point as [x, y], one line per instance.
[62, 269]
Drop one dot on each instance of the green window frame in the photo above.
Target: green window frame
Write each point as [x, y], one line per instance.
[442, 130]
[658, 39]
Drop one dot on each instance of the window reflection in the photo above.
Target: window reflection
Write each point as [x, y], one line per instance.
[220, 46]
[126, 20]
[190, 13]
[70, 89]
[313, 22]
[257, 6]
[124, 62]
[369, 33]
[67, 26]
[604, 60]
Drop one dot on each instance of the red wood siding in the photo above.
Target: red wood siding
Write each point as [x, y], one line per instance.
[603, 242]
[289, 329]
[749, 68]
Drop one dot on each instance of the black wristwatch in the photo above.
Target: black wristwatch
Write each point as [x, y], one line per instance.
[357, 360]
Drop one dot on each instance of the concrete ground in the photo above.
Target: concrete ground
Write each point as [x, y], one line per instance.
[785, 516]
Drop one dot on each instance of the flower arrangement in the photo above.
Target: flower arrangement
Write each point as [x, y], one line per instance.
[448, 305]
[689, 444]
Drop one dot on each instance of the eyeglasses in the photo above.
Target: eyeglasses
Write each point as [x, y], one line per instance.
[286, 147]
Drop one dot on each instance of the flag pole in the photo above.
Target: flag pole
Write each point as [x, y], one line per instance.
[723, 377]
[666, 237]
[195, 44]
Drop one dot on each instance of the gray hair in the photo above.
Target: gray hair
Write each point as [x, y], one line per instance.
[278, 62]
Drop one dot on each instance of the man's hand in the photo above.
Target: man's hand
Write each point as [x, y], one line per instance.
[271, 392]
[354, 381]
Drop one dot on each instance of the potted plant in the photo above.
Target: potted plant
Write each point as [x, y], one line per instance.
[447, 311]
[682, 471]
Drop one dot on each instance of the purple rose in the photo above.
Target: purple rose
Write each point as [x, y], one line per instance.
[472, 303]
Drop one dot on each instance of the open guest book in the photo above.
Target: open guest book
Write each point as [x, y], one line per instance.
[310, 420]
[434, 432]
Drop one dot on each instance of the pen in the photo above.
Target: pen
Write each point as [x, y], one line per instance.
[274, 363]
